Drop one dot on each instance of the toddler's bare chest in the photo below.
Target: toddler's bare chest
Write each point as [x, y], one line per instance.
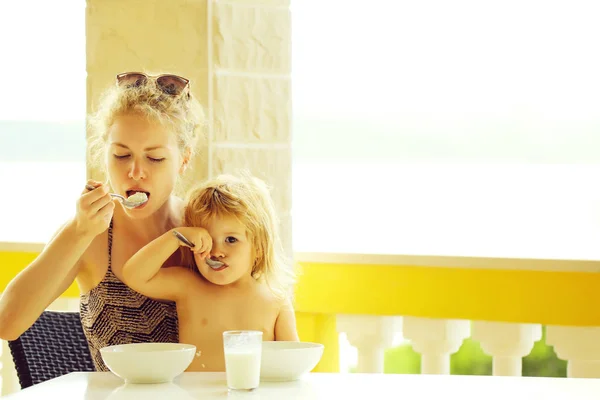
[213, 316]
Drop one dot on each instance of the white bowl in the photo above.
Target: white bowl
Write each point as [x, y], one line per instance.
[288, 361]
[148, 362]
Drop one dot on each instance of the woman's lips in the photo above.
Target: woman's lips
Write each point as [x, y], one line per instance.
[131, 192]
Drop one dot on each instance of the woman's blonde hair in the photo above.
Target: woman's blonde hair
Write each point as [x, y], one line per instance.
[248, 199]
[182, 114]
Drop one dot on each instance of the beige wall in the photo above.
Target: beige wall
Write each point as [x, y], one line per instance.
[237, 55]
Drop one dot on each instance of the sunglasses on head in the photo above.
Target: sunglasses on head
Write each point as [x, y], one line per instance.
[170, 84]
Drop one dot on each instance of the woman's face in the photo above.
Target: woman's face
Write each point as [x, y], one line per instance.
[142, 156]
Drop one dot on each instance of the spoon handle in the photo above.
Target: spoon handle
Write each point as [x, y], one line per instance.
[183, 239]
[118, 196]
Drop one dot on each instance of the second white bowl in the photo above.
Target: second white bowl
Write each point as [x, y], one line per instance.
[288, 361]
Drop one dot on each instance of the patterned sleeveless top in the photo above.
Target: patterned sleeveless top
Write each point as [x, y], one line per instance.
[112, 313]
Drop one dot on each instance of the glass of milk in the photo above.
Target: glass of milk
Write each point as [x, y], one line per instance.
[243, 350]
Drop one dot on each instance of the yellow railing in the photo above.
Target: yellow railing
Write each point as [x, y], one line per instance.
[546, 297]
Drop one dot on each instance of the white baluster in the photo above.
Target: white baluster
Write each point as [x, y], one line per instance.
[579, 346]
[371, 335]
[507, 343]
[435, 340]
[10, 381]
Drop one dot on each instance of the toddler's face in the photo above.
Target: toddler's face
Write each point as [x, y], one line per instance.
[231, 246]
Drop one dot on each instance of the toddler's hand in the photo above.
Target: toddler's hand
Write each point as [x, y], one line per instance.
[201, 239]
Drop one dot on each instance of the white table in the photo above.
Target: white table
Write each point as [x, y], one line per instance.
[203, 385]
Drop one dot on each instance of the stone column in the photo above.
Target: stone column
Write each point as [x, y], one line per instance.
[250, 96]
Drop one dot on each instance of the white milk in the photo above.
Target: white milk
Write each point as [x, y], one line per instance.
[242, 368]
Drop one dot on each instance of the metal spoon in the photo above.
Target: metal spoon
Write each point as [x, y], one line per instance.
[211, 263]
[124, 201]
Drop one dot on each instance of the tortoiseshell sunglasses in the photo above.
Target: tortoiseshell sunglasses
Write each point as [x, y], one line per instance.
[170, 84]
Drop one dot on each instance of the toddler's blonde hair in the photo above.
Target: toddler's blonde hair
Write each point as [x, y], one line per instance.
[248, 199]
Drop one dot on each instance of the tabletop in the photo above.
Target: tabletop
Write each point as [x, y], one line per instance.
[212, 385]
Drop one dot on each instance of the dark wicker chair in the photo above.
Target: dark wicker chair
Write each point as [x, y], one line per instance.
[54, 345]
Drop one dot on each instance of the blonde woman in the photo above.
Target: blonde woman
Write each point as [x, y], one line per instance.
[234, 278]
[144, 136]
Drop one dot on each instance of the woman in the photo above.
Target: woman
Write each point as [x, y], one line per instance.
[144, 135]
